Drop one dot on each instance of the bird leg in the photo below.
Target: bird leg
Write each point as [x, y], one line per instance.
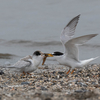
[29, 74]
[24, 73]
[72, 71]
[68, 71]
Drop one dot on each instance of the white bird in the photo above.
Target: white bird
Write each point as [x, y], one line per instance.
[70, 57]
[29, 63]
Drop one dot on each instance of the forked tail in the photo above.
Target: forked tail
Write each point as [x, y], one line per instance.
[85, 62]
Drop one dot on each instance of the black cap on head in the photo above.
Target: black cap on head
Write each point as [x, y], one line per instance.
[57, 53]
[37, 53]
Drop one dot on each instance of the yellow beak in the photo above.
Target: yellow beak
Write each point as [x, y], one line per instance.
[46, 55]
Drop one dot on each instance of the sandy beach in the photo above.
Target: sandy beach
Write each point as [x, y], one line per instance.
[50, 82]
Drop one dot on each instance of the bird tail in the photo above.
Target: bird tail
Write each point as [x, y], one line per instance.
[85, 62]
[3, 66]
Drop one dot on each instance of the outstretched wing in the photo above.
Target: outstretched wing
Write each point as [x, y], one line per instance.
[71, 47]
[69, 30]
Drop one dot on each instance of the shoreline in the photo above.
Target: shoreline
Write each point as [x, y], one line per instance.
[50, 82]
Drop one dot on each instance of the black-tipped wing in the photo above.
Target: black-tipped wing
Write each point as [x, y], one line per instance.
[69, 30]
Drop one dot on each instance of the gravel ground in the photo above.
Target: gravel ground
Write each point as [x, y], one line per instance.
[50, 82]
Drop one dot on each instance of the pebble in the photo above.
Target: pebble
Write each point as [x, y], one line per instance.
[99, 81]
[78, 91]
[25, 83]
[43, 88]
[52, 84]
[1, 72]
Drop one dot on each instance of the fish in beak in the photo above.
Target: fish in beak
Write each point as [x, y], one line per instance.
[46, 55]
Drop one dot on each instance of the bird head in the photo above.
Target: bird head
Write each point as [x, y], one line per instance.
[38, 55]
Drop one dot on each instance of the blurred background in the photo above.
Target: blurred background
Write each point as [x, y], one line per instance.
[30, 25]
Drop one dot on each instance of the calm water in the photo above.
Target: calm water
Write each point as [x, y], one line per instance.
[29, 25]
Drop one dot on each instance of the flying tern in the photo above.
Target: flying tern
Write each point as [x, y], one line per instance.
[70, 57]
[29, 63]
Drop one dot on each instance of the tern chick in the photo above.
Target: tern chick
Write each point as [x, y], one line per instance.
[29, 63]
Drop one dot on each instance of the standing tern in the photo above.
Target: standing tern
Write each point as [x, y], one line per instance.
[70, 57]
[29, 63]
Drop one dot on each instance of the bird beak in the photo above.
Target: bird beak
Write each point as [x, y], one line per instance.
[46, 55]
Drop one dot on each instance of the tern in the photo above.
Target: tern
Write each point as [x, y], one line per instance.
[29, 63]
[70, 57]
